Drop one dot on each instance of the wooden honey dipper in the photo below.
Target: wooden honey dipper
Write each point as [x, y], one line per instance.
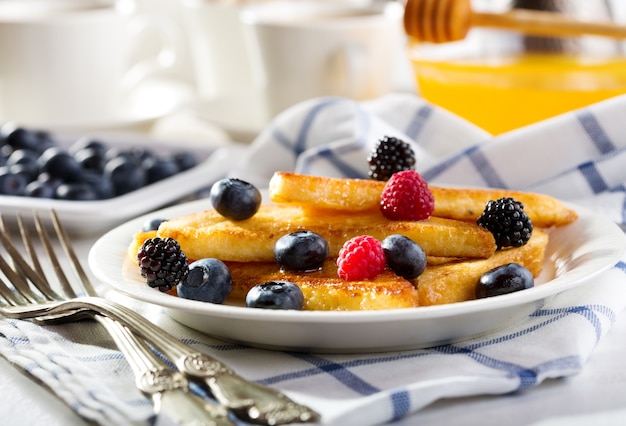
[440, 21]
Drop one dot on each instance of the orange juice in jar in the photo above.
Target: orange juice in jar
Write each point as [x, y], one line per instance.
[503, 80]
[506, 91]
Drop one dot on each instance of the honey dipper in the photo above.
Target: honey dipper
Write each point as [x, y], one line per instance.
[440, 21]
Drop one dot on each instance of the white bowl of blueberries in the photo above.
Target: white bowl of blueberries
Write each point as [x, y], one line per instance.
[96, 181]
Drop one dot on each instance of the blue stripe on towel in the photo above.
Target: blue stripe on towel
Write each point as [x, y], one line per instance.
[339, 156]
[401, 403]
[344, 372]
[595, 132]
[435, 171]
[417, 123]
[486, 169]
[590, 172]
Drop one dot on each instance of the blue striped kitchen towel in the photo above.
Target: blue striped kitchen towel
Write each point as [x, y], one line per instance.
[78, 364]
[576, 157]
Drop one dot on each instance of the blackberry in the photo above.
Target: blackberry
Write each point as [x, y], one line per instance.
[390, 155]
[506, 219]
[162, 263]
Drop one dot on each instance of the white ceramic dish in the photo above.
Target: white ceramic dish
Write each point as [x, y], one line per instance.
[576, 253]
[91, 217]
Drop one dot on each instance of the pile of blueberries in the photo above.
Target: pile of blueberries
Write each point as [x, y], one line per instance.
[33, 164]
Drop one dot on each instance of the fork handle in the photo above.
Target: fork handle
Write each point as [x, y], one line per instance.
[168, 389]
[248, 400]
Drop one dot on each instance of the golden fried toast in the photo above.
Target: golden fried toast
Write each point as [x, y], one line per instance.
[450, 282]
[458, 250]
[137, 241]
[323, 290]
[208, 234]
[446, 283]
[456, 282]
[467, 204]
[355, 195]
[361, 195]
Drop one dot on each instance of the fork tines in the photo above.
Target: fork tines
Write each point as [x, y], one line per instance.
[26, 265]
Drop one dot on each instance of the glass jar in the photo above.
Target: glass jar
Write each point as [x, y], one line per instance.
[501, 80]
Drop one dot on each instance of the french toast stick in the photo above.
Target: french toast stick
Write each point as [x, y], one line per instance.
[447, 283]
[208, 234]
[445, 280]
[317, 193]
[456, 281]
[324, 290]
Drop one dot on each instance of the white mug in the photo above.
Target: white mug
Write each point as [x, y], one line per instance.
[220, 57]
[310, 49]
[66, 62]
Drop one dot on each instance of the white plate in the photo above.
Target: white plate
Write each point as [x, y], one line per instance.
[575, 254]
[91, 217]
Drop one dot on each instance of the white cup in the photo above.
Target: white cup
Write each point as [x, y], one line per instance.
[220, 57]
[70, 61]
[310, 49]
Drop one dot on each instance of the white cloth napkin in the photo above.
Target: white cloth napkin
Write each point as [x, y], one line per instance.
[575, 157]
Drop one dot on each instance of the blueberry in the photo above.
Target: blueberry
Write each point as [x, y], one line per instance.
[404, 256]
[141, 153]
[301, 251]
[152, 224]
[208, 280]
[60, 163]
[275, 295]
[90, 159]
[185, 160]
[28, 171]
[504, 279]
[45, 141]
[235, 198]
[11, 183]
[49, 181]
[88, 143]
[160, 168]
[124, 174]
[22, 156]
[40, 189]
[20, 138]
[5, 153]
[101, 185]
[79, 191]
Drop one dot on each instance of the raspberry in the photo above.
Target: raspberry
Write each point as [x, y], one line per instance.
[506, 219]
[391, 155]
[406, 196]
[162, 263]
[360, 258]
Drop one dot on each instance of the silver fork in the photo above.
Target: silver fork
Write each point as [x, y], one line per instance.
[168, 389]
[248, 400]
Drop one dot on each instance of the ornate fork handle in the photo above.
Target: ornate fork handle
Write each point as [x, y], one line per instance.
[248, 400]
[167, 388]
